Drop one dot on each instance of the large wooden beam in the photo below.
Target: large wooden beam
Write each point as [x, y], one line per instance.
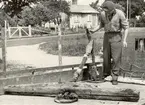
[35, 76]
[83, 89]
[33, 71]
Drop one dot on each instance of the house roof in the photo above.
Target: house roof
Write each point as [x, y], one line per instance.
[82, 9]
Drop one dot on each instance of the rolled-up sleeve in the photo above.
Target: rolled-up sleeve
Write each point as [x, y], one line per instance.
[124, 22]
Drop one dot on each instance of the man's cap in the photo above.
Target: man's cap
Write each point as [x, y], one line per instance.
[109, 5]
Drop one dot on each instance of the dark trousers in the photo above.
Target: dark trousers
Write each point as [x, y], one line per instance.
[112, 49]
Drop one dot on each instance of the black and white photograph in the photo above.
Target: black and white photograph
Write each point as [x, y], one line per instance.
[72, 52]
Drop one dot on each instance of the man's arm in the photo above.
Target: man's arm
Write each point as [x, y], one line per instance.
[96, 29]
[125, 37]
[125, 26]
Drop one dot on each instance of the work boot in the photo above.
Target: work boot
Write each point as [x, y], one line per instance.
[114, 82]
[114, 75]
[76, 75]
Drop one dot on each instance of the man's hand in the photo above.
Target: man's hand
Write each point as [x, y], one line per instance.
[124, 44]
[91, 31]
[78, 71]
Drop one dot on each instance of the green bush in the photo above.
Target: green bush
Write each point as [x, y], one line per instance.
[140, 24]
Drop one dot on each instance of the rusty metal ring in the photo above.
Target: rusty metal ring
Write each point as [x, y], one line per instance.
[66, 97]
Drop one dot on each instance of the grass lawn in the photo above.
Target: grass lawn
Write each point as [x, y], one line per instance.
[71, 46]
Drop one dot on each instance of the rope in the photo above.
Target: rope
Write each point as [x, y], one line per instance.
[66, 97]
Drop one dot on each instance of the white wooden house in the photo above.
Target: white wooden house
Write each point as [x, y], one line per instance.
[81, 15]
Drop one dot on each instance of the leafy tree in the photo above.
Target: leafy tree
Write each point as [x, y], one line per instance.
[33, 16]
[57, 6]
[136, 7]
[45, 14]
[44, 11]
[4, 16]
[27, 17]
[14, 7]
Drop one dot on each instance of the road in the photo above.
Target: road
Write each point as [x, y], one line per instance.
[34, 40]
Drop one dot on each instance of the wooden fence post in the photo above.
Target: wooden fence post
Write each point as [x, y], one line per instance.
[20, 32]
[9, 32]
[59, 49]
[4, 50]
[59, 45]
[30, 31]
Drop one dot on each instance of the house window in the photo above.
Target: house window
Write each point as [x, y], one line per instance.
[140, 44]
[76, 19]
[89, 18]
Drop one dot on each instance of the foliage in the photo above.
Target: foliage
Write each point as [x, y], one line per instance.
[27, 17]
[34, 12]
[56, 9]
[141, 21]
[14, 7]
[4, 16]
[136, 7]
[44, 11]
[35, 16]
[57, 5]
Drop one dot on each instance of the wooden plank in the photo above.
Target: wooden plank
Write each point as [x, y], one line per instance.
[14, 33]
[33, 71]
[25, 32]
[83, 89]
[52, 76]
[18, 27]
[66, 75]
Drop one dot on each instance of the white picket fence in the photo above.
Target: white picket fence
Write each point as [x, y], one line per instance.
[19, 32]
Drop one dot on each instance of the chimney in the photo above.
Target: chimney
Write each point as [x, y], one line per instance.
[74, 2]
